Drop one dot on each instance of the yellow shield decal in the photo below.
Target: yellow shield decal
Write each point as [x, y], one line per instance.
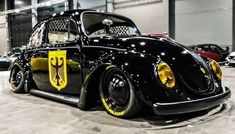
[57, 69]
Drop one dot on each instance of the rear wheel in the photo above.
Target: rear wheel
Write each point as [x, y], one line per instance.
[117, 94]
[17, 79]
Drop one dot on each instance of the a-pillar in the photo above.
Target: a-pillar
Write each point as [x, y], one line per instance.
[34, 13]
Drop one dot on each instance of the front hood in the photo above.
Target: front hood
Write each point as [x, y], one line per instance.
[189, 67]
[158, 47]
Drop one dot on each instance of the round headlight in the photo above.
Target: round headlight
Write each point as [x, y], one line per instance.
[216, 69]
[166, 75]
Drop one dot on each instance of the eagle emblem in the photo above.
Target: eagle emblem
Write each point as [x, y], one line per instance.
[57, 69]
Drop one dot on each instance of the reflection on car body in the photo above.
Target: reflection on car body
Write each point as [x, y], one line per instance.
[81, 57]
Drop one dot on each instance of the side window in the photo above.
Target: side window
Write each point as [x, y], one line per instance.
[215, 49]
[36, 38]
[205, 48]
[61, 30]
[198, 49]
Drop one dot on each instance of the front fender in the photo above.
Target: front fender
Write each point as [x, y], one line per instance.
[139, 69]
[137, 66]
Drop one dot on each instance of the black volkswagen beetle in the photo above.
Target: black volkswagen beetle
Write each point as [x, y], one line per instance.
[81, 57]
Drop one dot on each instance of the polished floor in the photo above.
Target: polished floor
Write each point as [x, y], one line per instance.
[27, 114]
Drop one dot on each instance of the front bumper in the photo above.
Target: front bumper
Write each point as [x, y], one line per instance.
[192, 105]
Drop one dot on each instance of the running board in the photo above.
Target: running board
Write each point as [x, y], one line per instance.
[63, 98]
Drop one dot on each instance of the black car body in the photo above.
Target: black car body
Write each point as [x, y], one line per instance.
[81, 57]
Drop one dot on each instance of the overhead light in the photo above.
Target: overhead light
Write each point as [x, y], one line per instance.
[128, 3]
[17, 10]
[48, 3]
[19, 2]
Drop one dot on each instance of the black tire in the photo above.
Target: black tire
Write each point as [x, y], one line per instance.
[17, 79]
[118, 95]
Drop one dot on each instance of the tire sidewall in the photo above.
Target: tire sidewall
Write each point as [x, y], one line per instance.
[20, 87]
[132, 95]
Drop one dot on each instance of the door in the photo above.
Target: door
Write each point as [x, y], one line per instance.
[56, 63]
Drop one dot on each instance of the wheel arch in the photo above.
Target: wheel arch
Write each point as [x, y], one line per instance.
[90, 87]
[125, 62]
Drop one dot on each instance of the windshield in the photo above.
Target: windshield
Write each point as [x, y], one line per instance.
[98, 25]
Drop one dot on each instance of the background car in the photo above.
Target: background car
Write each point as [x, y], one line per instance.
[212, 51]
[13, 57]
[208, 54]
[198, 50]
[231, 59]
[5, 62]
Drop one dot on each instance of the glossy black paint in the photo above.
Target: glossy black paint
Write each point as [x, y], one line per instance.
[137, 56]
[139, 60]
[74, 71]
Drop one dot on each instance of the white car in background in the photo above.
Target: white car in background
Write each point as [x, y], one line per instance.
[231, 59]
[13, 57]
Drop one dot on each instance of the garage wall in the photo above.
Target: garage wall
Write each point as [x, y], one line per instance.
[3, 41]
[204, 21]
[92, 4]
[150, 18]
[2, 5]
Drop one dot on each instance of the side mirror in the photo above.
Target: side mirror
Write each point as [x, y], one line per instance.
[227, 48]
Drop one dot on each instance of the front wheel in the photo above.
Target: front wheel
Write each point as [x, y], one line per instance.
[17, 78]
[117, 94]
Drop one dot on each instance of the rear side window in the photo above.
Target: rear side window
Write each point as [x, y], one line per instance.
[61, 30]
[204, 48]
[215, 48]
[36, 38]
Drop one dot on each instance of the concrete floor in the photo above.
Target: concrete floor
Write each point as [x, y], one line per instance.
[27, 114]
